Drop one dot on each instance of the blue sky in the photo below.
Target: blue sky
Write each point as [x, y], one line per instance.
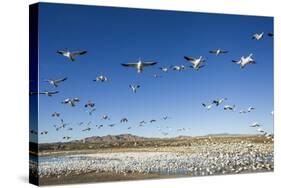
[118, 35]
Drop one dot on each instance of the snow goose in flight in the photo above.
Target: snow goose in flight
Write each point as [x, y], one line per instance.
[219, 101]
[218, 51]
[89, 104]
[152, 121]
[47, 93]
[33, 132]
[134, 87]
[244, 61]
[100, 78]
[178, 68]
[66, 137]
[71, 55]
[229, 107]
[71, 102]
[55, 114]
[92, 111]
[258, 36]
[140, 65]
[111, 125]
[44, 132]
[124, 120]
[165, 118]
[196, 63]
[250, 109]
[270, 34]
[256, 124]
[164, 69]
[243, 111]
[87, 129]
[105, 117]
[208, 107]
[56, 83]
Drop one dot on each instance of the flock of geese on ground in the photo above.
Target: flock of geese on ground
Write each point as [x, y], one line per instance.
[196, 64]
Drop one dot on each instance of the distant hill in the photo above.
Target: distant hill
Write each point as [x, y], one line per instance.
[114, 138]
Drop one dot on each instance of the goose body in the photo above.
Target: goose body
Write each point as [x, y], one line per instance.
[71, 55]
[140, 65]
[178, 68]
[196, 63]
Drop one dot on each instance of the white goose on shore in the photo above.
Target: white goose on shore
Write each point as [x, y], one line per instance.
[71, 55]
[140, 65]
[196, 63]
[218, 51]
[245, 61]
[56, 82]
[258, 36]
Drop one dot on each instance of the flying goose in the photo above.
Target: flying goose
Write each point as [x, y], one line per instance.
[243, 111]
[256, 124]
[47, 93]
[196, 63]
[99, 126]
[244, 61]
[66, 137]
[124, 120]
[71, 102]
[219, 101]
[165, 118]
[140, 65]
[152, 121]
[87, 129]
[89, 104]
[91, 111]
[55, 114]
[56, 83]
[63, 125]
[70, 129]
[44, 132]
[218, 51]
[178, 68]
[270, 34]
[129, 128]
[164, 69]
[111, 125]
[134, 87]
[71, 55]
[250, 109]
[258, 36]
[229, 107]
[208, 107]
[33, 132]
[105, 117]
[142, 122]
[100, 78]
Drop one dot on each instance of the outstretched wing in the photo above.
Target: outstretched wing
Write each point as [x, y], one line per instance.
[213, 51]
[224, 51]
[189, 58]
[78, 53]
[129, 64]
[61, 80]
[149, 63]
[61, 52]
